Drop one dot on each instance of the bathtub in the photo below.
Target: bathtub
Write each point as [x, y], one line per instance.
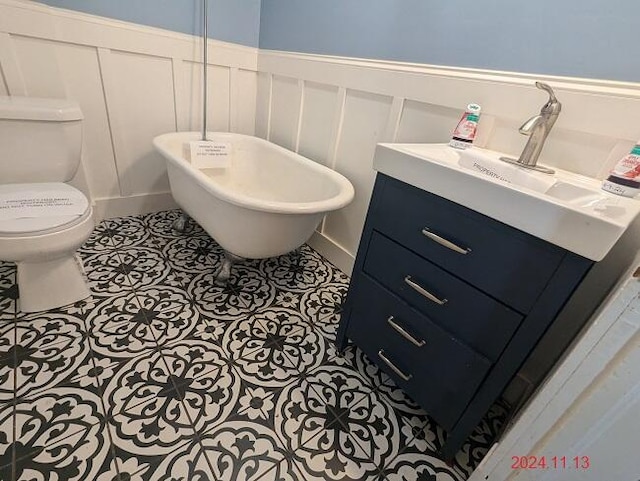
[266, 203]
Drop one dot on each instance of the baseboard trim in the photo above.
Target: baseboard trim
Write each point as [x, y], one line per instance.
[334, 253]
[133, 205]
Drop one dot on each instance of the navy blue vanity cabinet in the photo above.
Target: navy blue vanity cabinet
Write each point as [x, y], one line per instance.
[449, 302]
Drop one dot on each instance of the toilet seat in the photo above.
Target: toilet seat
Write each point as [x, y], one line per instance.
[49, 219]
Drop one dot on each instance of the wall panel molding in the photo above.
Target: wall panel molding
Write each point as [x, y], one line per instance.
[104, 61]
[40, 21]
[503, 94]
[31, 37]
[10, 68]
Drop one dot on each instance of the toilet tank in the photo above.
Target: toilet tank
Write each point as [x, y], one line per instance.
[40, 139]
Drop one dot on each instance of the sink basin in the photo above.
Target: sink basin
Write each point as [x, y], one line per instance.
[562, 185]
[488, 163]
[565, 209]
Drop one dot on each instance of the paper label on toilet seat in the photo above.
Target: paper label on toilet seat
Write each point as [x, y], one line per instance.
[206, 154]
[19, 205]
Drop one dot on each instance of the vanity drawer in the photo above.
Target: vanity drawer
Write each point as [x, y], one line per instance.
[503, 262]
[440, 373]
[470, 315]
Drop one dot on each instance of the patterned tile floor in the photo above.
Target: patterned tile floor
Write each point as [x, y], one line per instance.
[165, 376]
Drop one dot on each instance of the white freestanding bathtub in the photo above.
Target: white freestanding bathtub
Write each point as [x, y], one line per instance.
[267, 202]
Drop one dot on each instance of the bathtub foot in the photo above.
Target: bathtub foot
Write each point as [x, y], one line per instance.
[223, 273]
[181, 224]
[295, 255]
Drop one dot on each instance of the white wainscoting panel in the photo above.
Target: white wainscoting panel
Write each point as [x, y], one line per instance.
[578, 151]
[243, 95]
[11, 82]
[318, 122]
[140, 90]
[566, 149]
[218, 105]
[263, 105]
[365, 118]
[285, 111]
[81, 75]
[189, 91]
[39, 66]
[217, 97]
[132, 82]
[422, 122]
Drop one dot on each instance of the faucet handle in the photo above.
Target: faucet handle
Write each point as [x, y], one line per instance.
[552, 105]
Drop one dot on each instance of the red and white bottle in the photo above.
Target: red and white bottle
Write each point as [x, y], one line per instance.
[465, 132]
[624, 179]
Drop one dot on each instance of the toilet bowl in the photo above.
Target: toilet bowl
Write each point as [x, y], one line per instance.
[43, 219]
[41, 227]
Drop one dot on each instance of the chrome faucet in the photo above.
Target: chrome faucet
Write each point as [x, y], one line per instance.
[538, 128]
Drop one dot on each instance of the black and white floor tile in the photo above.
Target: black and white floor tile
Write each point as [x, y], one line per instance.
[163, 375]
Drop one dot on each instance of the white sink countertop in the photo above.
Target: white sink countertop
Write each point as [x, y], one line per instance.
[565, 209]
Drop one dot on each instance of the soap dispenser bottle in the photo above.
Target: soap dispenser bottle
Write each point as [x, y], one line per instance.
[624, 179]
[465, 131]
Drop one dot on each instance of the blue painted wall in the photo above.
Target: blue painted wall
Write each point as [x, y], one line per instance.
[235, 21]
[580, 38]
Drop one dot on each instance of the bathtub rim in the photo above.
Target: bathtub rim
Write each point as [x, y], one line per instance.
[345, 188]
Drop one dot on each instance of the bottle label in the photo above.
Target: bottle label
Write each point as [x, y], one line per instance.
[466, 129]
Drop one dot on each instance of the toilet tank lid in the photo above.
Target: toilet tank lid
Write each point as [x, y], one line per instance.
[33, 108]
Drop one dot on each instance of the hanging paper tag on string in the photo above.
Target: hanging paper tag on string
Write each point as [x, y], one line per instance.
[210, 155]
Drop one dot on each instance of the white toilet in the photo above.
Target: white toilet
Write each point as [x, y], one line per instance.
[43, 220]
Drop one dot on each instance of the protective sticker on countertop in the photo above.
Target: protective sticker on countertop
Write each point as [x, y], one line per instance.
[206, 154]
[19, 205]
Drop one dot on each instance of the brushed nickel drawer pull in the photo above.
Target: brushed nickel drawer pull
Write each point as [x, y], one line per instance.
[393, 367]
[405, 334]
[444, 242]
[421, 290]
